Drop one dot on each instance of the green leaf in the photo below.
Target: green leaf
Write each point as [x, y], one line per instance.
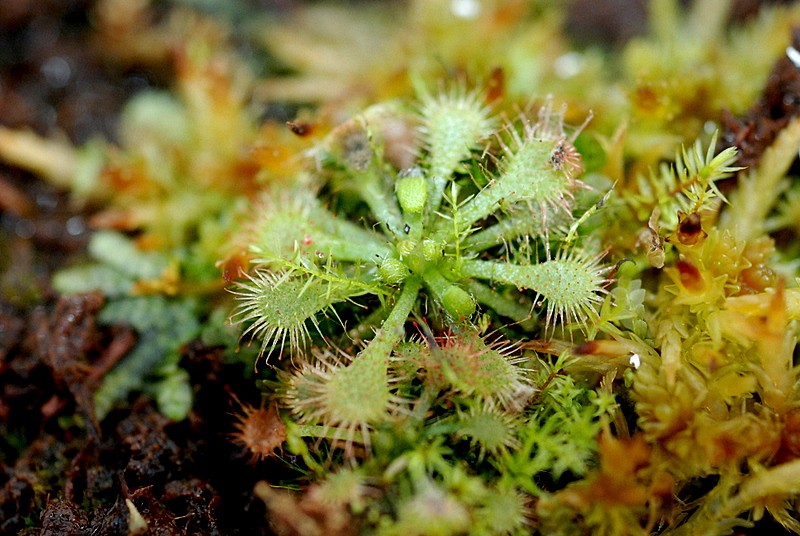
[86, 278]
[118, 251]
[164, 327]
[173, 394]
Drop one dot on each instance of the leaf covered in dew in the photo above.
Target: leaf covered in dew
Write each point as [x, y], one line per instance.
[277, 307]
[453, 124]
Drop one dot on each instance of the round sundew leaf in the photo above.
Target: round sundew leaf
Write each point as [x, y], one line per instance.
[572, 285]
[278, 305]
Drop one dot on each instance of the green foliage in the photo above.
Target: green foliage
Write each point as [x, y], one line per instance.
[688, 185]
[661, 386]
[118, 266]
[560, 436]
[163, 324]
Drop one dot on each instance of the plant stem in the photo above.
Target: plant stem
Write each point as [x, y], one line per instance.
[483, 204]
[381, 204]
[518, 311]
[391, 331]
[438, 183]
[525, 276]
[520, 222]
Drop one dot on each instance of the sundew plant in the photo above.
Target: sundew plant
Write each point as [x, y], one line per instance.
[441, 212]
[487, 281]
[424, 228]
[417, 244]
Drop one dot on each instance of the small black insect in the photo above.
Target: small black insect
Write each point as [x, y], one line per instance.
[558, 157]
